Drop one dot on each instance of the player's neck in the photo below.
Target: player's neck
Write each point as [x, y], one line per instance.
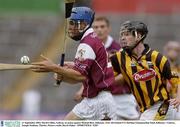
[138, 50]
[104, 40]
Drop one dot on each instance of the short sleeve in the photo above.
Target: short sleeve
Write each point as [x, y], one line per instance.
[166, 72]
[84, 58]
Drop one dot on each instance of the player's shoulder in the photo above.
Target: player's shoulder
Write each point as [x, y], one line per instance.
[90, 36]
[91, 39]
[158, 58]
[119, 52]
[90, 43]
[155, 53]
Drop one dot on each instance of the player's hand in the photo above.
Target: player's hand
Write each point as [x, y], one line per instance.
[175, 102]
[44, 66]
[58, 77]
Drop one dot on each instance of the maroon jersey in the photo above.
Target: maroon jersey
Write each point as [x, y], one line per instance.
[111, 46]
[92, 62]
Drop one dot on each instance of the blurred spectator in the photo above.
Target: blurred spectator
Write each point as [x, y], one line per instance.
[31, 104]
[172, 51]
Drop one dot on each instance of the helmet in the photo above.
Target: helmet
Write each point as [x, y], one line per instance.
[135, 26]
[82, 14]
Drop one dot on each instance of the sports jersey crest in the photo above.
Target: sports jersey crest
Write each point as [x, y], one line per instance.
[81, 53]
[93, 35]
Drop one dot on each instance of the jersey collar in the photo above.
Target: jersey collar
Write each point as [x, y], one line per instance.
[145, 51]
[108, 42]
[90, 30]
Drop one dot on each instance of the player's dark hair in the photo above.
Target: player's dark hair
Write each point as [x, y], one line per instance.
[133, 26]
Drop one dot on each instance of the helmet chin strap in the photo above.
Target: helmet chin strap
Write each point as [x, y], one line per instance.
[130, 48]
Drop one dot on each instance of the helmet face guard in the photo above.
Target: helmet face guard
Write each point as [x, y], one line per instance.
[134, 27]
[79, 15]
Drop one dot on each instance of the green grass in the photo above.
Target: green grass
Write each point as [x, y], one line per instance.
[31, 6]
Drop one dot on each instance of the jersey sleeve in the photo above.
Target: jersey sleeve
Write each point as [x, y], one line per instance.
[84, 58]
[166, 71]
[172, 76]
[115, 64]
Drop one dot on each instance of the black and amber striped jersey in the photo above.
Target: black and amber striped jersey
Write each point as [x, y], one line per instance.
[145, 75]
[175, 69]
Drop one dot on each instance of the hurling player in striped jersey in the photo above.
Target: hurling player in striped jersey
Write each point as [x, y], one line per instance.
[146, 71]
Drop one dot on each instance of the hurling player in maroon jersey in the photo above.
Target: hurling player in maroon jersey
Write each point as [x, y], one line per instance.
[90, 68]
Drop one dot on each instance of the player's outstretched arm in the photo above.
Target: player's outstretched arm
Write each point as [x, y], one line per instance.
[68, 74]
[59, 77]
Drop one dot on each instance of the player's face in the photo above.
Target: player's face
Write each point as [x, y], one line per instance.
[173, 51]
[101, 28]
[127, 39]
[75, 27]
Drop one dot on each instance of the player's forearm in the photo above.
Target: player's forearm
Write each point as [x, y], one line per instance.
[69, 63]
[70, 81]
[69, 75]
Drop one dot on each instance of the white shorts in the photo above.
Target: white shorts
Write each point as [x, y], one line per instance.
[96, 108]
[177, 113]
[126, 107]
[150, 113]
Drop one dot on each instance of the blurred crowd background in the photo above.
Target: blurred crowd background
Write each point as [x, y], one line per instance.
[34, 27]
